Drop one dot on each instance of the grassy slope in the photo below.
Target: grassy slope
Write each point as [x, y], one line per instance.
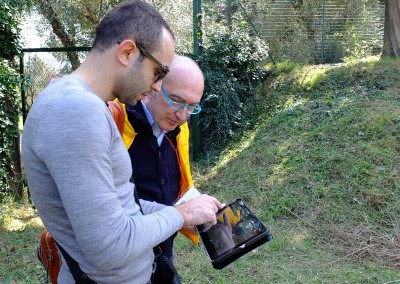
[321, 168]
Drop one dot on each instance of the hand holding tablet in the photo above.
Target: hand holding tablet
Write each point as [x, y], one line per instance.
[237, 232]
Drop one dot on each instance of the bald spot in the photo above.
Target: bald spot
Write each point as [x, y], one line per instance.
[186, 74]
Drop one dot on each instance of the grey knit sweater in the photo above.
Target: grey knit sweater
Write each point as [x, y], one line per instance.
[78, 174]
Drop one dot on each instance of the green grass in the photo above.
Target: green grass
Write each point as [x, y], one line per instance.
[20, 229]
[293, 256]
[323, 158]
[320, 166]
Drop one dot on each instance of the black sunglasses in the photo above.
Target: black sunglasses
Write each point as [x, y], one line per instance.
[147, 54]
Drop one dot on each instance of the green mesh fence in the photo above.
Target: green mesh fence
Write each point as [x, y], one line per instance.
[313, 31]
[40, 67]
[323, 31]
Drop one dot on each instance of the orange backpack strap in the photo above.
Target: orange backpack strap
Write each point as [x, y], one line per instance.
[118, 114]
[48, 255]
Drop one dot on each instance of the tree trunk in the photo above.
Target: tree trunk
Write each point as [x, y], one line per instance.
[48, 12]
[230, 9]
[17, 173]
[15, 169]
[391, 39]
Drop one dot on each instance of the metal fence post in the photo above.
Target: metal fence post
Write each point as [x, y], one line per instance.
[197, 40]
[23, 98]
[323, 31]
[228, 13]
[21, 69]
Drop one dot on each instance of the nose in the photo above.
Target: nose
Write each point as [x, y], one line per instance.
[182, 114]
[156, 86]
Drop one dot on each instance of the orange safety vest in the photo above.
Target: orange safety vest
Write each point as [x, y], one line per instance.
[118, 111]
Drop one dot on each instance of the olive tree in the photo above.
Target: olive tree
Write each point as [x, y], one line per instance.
[391, 39]
[73, 22]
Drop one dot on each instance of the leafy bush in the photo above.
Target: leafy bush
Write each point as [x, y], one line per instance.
[10, 169]
[9, 28]
[9, 108]
[230, 61]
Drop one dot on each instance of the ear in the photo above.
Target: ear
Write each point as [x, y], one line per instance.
[127, 50]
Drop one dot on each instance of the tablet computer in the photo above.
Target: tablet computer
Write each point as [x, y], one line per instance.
[237, 232]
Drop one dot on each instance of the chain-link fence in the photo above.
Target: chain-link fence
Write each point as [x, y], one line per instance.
[313, 31]
[39, 66]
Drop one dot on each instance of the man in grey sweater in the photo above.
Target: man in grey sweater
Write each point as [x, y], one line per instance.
[77, 167]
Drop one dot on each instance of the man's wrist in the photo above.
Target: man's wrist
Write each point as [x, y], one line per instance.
[184, 213]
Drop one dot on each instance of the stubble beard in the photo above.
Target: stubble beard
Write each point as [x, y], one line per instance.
[128, 88]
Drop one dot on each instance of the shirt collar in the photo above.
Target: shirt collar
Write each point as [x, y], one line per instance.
[158, 133]
[149, 117]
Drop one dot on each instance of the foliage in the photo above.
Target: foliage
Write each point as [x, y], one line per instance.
[230, 61]
[356, 40]
[10, 12]
[79, 20]
[350, 28]
[318, 31]
[9, 118]
[9, 30]
[179, 15]
[37, 74]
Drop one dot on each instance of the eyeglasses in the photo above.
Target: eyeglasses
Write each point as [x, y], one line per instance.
[164, 68]
[179, 106]
[147, 54]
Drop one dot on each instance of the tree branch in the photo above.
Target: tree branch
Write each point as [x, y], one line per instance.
[46, 9]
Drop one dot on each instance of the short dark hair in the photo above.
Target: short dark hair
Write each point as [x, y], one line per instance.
[134, 20]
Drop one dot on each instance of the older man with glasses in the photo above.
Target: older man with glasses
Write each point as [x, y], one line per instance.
[156, 135]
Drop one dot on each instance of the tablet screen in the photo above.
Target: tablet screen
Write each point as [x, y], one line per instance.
[236, 226]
